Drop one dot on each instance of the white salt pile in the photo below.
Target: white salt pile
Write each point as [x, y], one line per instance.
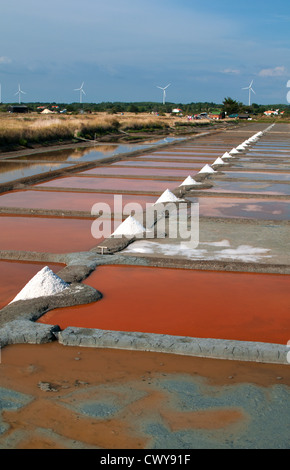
[207, 169]
[130, 226]
[168, 196]
[234, 151]
[227, 155]
[219, 161]
[44, 283]
[241, 147]
[188, 181]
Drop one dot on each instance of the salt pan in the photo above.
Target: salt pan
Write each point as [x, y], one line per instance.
[44, 283]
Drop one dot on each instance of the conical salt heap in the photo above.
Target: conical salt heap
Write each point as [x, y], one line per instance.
[44, 283]
[130, 226]
[233, 151]
[227, 155]
[241, 147]
[168, 196]
[207, 169]
[189, 181]
[219, 161]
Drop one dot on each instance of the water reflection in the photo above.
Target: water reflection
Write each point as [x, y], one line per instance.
[12, 168]
[10, 171]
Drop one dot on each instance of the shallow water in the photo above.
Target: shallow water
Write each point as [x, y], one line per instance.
[45, 234]
[237, 306]
[257, 176]
[53, 200]
[194, 165]
[111, 184]
[243, 208]
[10, 171]
[125, 171]
[249, 187]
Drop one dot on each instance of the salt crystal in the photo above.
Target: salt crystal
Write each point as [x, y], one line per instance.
[219, 161]
[168, 196]
[130, 226]
[44, 283]
[227, 155]
[188, 181]
[207, 169]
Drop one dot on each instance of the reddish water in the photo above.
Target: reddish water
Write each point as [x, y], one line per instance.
[246, 208]
[123, 172]
[237, 306]
[111, 184]
[45, 234]
[14, 275]
[160, 164]
[66, 200]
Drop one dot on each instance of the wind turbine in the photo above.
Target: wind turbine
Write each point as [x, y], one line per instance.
[250, 89]
[164, 93]
[19, 93]
[81, 91]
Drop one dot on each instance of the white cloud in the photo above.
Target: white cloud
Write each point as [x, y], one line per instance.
[5, 60]
[274, 72]
[232, 71]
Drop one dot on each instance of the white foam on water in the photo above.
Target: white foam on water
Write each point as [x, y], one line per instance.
[44, 283]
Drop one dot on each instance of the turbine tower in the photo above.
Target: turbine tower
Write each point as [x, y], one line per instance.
[164, 92]
[250, 89]
[19, 93]
[81, 91]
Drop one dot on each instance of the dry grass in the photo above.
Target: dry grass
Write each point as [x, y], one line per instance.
[33, 128]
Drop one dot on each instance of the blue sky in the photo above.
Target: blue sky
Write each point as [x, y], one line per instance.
[123, 49]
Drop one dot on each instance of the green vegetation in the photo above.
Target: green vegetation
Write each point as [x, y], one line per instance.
[229, 105]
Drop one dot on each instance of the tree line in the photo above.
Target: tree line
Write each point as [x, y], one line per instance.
[229, 106]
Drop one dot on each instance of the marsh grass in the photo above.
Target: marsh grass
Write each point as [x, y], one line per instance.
[37, 129]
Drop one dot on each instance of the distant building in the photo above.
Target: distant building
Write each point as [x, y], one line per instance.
[272, 113]
[18, 109]
[216, 114]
